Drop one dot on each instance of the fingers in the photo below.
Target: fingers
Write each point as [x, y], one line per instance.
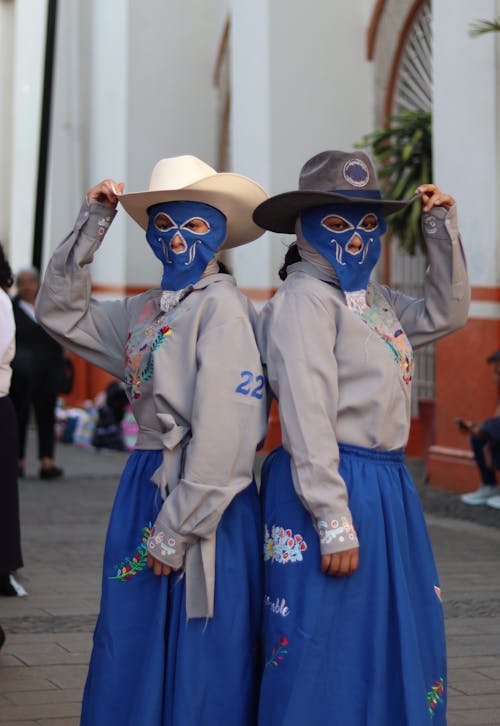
[106, 192]
[340, 564]
[432, 196]
[159, 568]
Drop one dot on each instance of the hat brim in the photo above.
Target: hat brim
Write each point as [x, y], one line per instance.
[279, 213]
[236, 196]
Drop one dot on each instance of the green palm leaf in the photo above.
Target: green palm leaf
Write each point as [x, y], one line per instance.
[403, 155]
[480, 27]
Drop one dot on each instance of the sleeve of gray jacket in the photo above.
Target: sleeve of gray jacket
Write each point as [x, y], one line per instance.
[445, 305]
[96, 330]
[298, 347]
[228, 421]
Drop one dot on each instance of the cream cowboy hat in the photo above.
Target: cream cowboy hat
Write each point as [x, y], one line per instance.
[330, 177]
[186, 178]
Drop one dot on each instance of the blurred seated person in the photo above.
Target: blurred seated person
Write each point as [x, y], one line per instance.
[38, 371]
[485, 445]
[108, 433]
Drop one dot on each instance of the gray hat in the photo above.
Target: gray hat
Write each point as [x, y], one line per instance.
[330, 177]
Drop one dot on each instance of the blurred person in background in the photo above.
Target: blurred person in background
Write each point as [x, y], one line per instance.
[38, 369]
[10, 535]
[485, 446]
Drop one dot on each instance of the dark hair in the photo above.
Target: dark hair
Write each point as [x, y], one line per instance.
[292, 255]
[223, 268]
[6, 276]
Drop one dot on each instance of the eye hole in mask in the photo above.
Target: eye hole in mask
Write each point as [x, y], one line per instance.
[197, 225]
[162, 222]
[336, 223]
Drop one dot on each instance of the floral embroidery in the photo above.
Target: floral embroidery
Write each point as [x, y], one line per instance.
[435, 695]
[278, 653]
[157, 539]
[142, 341]
[356, 301]
[389, 329]
[437, 590]
[103, 225]
[130, 566]
[282, 546]
[430, 226]
[336, 529]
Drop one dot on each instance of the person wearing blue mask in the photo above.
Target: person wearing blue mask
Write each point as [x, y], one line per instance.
[353, 627]
[176, 637]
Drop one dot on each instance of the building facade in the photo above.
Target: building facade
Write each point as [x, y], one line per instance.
[255, 88]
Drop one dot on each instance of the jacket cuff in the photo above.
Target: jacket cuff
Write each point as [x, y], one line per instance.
[96, 219]
[166, 545]
[440, 223]
[167, 548]
[336, 534]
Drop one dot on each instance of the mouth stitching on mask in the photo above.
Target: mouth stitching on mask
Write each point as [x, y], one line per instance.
[192, 252]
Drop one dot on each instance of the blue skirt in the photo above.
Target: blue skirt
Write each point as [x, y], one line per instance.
[364, 650]
[150, 665]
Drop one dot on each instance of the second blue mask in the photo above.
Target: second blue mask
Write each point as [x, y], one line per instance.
[184, 236]
[348, 237]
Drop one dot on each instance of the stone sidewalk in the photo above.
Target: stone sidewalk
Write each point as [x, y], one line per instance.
[44, 660]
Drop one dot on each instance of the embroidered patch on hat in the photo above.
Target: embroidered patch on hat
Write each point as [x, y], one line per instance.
[356, 173]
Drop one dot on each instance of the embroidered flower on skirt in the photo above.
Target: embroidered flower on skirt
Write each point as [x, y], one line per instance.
[336, 530]
[278, 653]
[157, 544]
[130, 566]
[435, 695]
[282, 545]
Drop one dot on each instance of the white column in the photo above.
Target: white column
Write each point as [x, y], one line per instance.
[30, 18]
[466, 128]
[300, 84]
[251, 124]
[6, 90]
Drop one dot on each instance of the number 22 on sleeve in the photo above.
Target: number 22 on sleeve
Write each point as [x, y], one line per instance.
[250, 385]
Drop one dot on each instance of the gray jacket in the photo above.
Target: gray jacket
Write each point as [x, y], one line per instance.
[343, 376]
[194, 380]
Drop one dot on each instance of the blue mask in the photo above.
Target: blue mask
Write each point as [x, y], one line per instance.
[352, 246]
[184, 236]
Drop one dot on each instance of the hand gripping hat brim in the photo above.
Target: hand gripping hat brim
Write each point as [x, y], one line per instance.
[187, 178]
[330, 177]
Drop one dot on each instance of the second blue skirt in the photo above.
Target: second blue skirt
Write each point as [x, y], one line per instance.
[364, 650]
[150, 665]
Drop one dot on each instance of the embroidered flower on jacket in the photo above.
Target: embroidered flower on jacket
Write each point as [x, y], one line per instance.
[435, 695]
[282, 545]
[383, 321]
[336, 530]
[278, 653]
[130, 566]
[142, 341]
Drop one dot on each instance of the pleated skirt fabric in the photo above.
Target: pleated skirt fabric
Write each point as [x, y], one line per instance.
[364, 650]
[150, 665]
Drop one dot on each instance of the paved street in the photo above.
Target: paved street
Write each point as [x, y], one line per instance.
[44, 660]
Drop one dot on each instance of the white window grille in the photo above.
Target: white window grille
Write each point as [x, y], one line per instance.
[413, 91]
